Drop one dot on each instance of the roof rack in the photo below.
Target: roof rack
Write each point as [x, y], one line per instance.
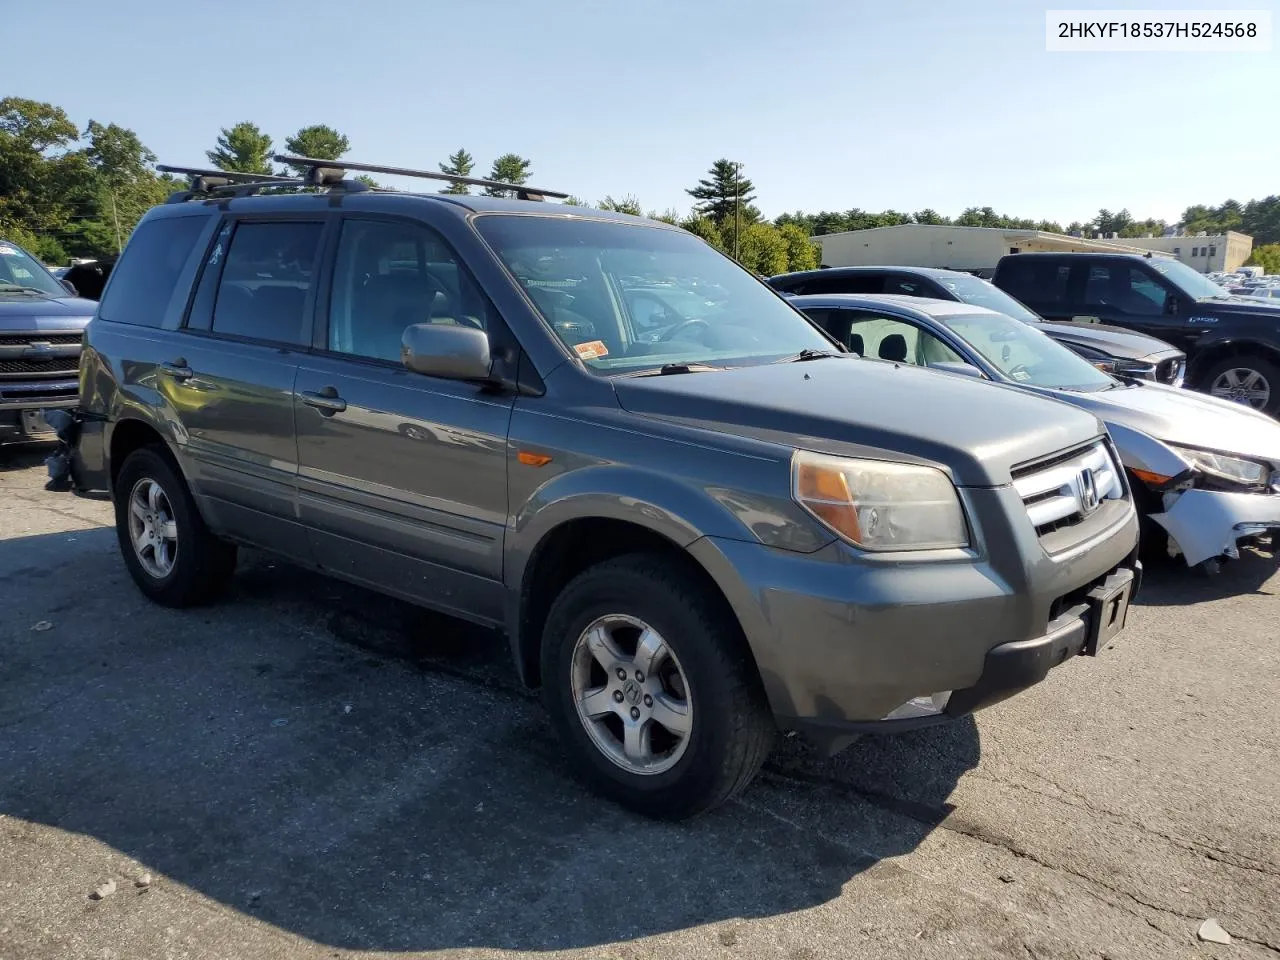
[204, 183]
[336, 169]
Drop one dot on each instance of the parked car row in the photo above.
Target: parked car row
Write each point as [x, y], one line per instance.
[699, 515]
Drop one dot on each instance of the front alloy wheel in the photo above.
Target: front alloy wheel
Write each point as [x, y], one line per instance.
[632, 694]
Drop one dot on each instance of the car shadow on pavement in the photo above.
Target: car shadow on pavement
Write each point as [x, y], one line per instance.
[371, 776]
[1173, 584]
[24, 455]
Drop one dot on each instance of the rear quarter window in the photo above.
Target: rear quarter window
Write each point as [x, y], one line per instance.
[144, 281]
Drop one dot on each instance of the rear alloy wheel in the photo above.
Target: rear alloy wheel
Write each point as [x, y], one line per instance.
[173, 557]
[652, 689]
[1246, 380]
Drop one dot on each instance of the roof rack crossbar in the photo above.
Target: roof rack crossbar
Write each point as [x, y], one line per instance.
[330, 168]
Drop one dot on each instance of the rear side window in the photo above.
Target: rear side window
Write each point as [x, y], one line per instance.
[143, 282]
[849, 283]
[264, 287]
[1033, 280]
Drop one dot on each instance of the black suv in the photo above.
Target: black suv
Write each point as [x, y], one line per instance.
[1232, 343]
[1111, 349]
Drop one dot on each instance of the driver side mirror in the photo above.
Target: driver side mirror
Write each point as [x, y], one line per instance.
[70, 287]
[445, 351]
[960, 367]
[1171, 305]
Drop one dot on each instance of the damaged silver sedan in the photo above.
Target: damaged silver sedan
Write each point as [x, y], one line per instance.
[1205, 471]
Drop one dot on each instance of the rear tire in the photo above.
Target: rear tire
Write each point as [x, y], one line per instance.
[1245, 379]
[172, 556]
[600, 637]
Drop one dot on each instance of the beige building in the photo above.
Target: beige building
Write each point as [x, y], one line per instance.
[956, 248]
[1209, 254]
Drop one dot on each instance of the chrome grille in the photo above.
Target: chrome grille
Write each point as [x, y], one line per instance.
[1066, 489]
[26, 339]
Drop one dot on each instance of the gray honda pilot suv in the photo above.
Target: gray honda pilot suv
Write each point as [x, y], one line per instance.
[694, 534]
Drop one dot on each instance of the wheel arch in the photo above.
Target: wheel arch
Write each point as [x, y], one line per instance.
[1213, 353]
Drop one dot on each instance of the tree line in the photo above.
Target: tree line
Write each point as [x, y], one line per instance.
[71, 192]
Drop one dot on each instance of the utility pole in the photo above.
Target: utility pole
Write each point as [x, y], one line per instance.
[737, 208]
[116, 218]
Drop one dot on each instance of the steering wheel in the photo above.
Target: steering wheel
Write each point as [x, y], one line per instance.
[681, 326]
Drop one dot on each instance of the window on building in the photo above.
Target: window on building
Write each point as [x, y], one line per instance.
[1195, 251]
[1177, 251]
[1213, 251]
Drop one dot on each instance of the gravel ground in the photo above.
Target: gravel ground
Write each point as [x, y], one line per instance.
[309, 770]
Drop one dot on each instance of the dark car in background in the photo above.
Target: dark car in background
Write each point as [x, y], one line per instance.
[1232, 343]
[41, 326]
[1110, 349]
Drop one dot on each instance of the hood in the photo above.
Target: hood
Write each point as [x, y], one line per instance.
[1113, 341]
[44, 313]
[850, 406]
[1242, 306]
[1184, 417]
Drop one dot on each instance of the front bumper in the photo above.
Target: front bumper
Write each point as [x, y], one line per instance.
[1208, 524]
[843, 642]
[20, 420]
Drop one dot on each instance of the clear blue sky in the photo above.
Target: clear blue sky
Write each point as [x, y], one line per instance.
[832, 104]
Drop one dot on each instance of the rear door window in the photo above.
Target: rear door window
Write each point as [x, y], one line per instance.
[144, 281]
[1034, 280]
[848, 283]
[265, 290]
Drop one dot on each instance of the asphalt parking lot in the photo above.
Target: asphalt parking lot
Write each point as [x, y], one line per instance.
[309, 770]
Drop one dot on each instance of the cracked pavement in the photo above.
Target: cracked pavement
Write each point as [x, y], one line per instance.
[309, 770]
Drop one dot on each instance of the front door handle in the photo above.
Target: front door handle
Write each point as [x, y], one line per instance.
[177, 369]
[326, 400]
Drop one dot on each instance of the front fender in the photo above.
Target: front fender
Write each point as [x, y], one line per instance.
[1141, 451]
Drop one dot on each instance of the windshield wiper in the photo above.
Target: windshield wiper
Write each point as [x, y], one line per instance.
[809, 354]
[669, 369]
[19, 288]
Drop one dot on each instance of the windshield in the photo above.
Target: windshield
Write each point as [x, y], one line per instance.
[17, 269]
[980, 293]
[1025, 355]
[627, 297]
[1190, 282]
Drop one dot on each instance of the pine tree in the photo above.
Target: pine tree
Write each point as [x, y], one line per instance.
[243, 149]
[723, 193]
[509, 168]
[460, 164]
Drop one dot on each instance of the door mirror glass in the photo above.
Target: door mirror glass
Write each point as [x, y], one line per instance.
[446, 351]
[1171, 305]
[70, 287]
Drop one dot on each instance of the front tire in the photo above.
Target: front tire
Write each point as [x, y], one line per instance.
[651, 688]
[1248, 380]
[172, 556]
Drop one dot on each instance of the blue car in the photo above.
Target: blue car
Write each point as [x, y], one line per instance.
[41, 326]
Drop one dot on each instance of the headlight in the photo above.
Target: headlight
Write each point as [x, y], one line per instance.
[1235, 469]
[877, 505]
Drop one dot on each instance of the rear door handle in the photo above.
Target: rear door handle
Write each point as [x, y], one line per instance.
[326, 400]
[177, 369]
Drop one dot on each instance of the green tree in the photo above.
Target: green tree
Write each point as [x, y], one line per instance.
[628, 204]
[125, 188]
[318, 141]
[670, 215]
[1267, 257]
[723, 193]
[508, 168]
[459, 164]
[762, 248]
[242, 149]
[929, 215]
[802, 253]
[705, 228]
[46, 185]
